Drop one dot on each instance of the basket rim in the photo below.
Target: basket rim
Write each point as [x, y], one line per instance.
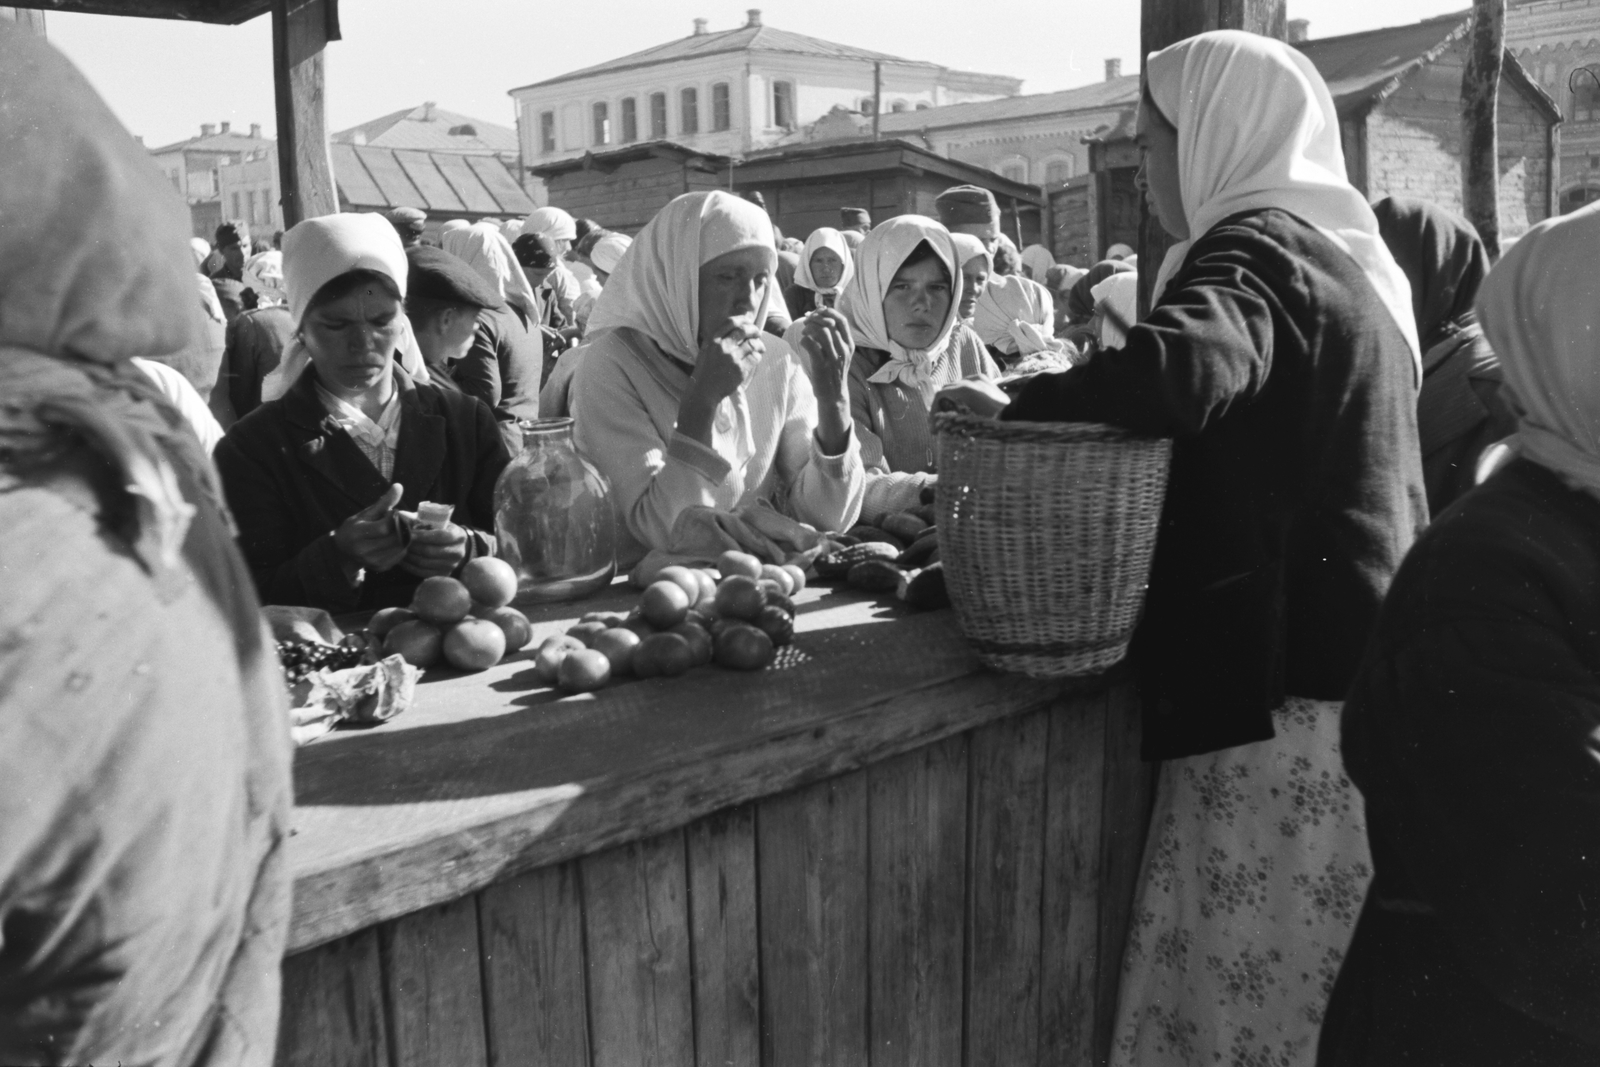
[959, 424]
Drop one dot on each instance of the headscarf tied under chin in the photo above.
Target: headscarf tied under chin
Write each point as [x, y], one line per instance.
[655, 290]
[1257, 129]
[1443, 259]
[1016, 315]
[1540, 309]
[888, 246]
[485, 249]
[831, 239]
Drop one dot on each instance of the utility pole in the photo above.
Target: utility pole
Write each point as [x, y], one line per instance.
[1480, 121]
[877, 95]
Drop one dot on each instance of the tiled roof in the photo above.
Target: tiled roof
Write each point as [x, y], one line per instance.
[747, 38]
[371, 177]
[1118, 92]
[428, 127]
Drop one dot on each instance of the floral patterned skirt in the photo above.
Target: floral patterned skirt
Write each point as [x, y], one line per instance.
[1255, 871]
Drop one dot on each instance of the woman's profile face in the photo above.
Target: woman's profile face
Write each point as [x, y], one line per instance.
[731, 290]
[1158, 173]
[917, 303]
[974, 278]
[351, 340]
[826, 268]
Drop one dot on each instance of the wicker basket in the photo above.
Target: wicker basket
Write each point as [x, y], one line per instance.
[1046, 531]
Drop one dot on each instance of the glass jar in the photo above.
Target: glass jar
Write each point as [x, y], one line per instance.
[553, 517]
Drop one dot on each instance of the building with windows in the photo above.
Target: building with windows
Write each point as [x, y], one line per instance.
[727, 93]
[1558, 43]
[248, 190]
[194, 168]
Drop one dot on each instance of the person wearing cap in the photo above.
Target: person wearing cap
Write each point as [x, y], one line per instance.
[970, 209]
[324, 480]
[470, 334]
[408, 222]
[533, 257]
[559, 291]
[855, 218]
[225, 266]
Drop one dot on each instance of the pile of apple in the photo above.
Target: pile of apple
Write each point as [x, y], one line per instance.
[466, 622]
[688, 617]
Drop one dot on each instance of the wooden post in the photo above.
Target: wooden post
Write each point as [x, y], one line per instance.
[300, 30]
[1480, 119]
[1164, 22]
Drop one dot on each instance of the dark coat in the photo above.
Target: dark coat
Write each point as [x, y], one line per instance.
[292, 475]
[1296, 486]
[256, 341]
[1459, 414]
[1471, 733]
[502, 369]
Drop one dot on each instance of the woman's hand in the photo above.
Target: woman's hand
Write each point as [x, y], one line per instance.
[724, 364]
[435, 550]
[972, 396]
[826, 338]
[370, 538]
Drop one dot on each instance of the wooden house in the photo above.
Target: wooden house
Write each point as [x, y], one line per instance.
[623, 188]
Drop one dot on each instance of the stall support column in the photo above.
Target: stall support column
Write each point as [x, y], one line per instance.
[1163, 22]
[300, 30]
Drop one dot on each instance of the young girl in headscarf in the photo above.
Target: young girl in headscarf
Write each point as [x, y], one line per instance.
[826, 267]
[680, 399]
[1472, 728]
[1460, 413]
[1281, 356]
[144, 748]
[903, 309]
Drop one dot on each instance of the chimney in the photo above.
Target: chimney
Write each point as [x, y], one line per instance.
[1299, 30]
[139, 137]
[207, 130]
[255, 130]
[699, 27]
[225, 126]
[755, 17]
[427, 111]
[1113, 69]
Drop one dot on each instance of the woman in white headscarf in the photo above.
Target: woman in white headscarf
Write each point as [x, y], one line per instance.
[1015, 317]
[1281, 356]
[1472, 728]
[1036, 262]
[506, 361]
[903, 307]
[257, 338]
[682, 401]
[826, 267]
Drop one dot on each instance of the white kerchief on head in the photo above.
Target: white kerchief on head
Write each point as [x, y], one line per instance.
[1037, 261]
[551, 222]
[655, 289]
[482, 247]
[1006, 301]
[888, 246]
[263, 272]
[607, 252]
[1257, 129]
[831, 239]
[1540, 309]
[969, 248]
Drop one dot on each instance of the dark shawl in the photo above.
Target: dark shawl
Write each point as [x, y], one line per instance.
[1443, 259]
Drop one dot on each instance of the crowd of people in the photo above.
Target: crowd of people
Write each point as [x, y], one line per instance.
[1368, 660]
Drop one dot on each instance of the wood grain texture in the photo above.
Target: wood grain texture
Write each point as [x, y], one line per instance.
[300, 31]
[812, 863]
[531, 929]
[1005, 871]
[434, 996]
[333, 1006]
[1070, 934]
[1129, 785]
[725, 936]
[636, 918]
[918, 818]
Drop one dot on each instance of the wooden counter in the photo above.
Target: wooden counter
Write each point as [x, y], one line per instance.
[874, 852]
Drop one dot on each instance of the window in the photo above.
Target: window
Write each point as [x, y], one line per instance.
[721, 107]
[1017, 172]
[177, 180]
[250, 204]
[923, 105]
[658, 115]
[237, 214]
[898, 105]
[1594, 162]
[1586, 101]
[547, 131]
[865, 106]
[602, 123]
[630, 119]
[1057, 171]
[783, 105]
[464, 130]
[689, 105]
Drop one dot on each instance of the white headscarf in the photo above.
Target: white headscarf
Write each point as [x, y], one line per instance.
[454, 224]
[1257, 129]
[969, 248]
[201, 249]
[315, 252]
[607, 252]
[1037, 261]
[1117, 300]
[482, 247]
[263, 272]
[511, 229]
[551, 222]
[1016, 315]
[655, 289]
[888, 246]
[1540, 309]
[831, 239]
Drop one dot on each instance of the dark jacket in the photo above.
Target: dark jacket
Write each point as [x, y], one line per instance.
[256, 340]
[1296, 486]
[502, 369]
[292, 475]
[1471, 733]
[1459, 414]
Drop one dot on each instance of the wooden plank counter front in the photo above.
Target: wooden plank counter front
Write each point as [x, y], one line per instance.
[875, 852]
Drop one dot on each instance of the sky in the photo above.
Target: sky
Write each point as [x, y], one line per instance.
[165, 78]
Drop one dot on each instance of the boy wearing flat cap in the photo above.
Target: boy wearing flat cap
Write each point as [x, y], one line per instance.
[970, 209]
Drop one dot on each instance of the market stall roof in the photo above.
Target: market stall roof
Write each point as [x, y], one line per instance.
[825, 158]
[448, 183]
[227, 12]
[611, 159]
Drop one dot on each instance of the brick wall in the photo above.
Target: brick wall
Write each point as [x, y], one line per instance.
[1414, 145]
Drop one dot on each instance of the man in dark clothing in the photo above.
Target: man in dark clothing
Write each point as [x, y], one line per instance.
[225, 266]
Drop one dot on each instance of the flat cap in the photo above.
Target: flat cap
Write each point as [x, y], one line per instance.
[854, 216]
[967, 205]
[434, 274]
